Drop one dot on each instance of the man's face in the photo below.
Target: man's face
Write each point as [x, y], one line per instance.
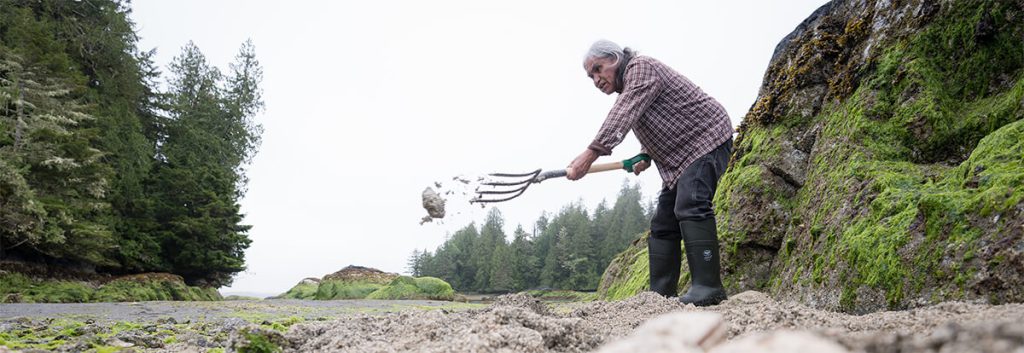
[602, 71]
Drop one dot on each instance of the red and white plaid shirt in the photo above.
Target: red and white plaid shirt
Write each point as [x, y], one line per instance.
[675, 121]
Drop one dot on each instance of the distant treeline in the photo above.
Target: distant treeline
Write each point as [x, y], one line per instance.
[99, 167]
[568, 251]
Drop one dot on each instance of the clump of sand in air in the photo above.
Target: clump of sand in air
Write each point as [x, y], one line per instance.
[434, 197]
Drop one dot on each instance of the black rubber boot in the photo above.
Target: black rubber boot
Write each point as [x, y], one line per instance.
[664, 260]
[701, 240]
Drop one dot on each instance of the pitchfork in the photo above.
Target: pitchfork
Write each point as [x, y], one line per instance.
[516, 184]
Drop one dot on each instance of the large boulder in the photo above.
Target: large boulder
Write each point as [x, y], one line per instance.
[405, 287]
[356, 282]
[353, 282]
[882, 165]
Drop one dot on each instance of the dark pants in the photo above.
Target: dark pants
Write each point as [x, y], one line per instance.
[689, 200]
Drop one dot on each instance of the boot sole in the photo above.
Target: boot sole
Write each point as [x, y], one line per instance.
[715, 300]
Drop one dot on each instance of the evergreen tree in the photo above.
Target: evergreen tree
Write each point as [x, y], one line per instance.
[569, 251]
[501, 278]
[463, 266]
[492, 236]
[427, 265]
[524, 263]
[624, 222]
[560, 236]
[198, 182]
[52, 182]
[97, 168]
[415, 263]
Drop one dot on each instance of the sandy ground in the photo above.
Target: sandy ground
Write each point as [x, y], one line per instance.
[219, 311]
[518, 323]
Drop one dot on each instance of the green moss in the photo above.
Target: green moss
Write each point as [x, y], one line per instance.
[405, 287]
[943, 199]
[848, 298]
[303, 291]
[15, 287]
[109, 349]
[51, 336]
[258, 343]
[435, 288]
[632, 272]
[330, 290]
[905, 166]
[280, 325]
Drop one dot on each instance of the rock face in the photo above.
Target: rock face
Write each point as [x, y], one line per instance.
[882, 165]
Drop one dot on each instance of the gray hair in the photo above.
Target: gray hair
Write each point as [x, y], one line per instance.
[605, 49]
[608, 49]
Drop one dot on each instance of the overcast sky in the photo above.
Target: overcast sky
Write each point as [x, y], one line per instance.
[369, 102]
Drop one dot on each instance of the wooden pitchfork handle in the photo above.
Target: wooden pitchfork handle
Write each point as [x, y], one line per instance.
[626, 165]
[509, 189]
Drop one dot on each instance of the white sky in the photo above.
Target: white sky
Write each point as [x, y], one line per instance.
[369, 102]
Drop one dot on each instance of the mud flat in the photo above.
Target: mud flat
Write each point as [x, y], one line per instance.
[516, 323]
[520, 324]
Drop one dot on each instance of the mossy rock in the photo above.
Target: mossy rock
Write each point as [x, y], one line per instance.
[333, 289]
[361, 274]
[419, 288]
[305, 289]
[257, 340]
[356, 282]
[352, 282]
[18, 288]
[882, 166]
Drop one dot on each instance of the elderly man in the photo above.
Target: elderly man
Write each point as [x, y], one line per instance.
[688, 135]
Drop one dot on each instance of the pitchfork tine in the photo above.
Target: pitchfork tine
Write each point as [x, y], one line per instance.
[498, 192]
[498, 183]
[530, 178]
[507, 175]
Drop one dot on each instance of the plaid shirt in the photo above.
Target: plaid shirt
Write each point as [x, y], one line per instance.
[675, 121]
